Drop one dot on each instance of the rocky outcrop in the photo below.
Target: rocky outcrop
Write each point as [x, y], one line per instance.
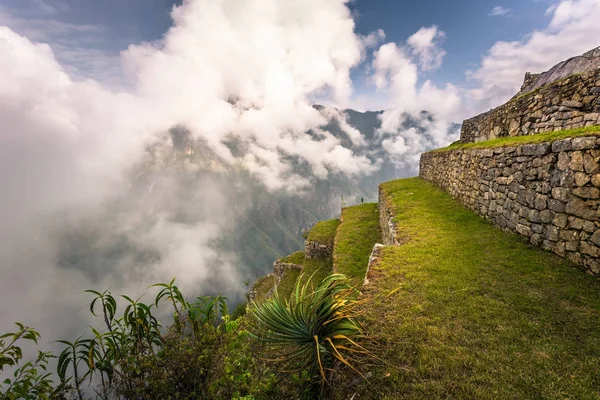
[576, 65]
[547, 192]
[567, 104]
[565, 97]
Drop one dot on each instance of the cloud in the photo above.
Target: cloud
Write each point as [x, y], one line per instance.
[421, 116]
[226, 70]
[572, 30]
[425, 44]
[499, 11]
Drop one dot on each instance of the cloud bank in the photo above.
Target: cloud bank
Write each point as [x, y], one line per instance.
[228, 71]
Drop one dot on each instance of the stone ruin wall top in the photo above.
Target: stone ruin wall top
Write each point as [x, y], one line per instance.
[565, 97]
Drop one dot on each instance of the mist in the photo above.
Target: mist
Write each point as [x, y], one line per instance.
[212, 149]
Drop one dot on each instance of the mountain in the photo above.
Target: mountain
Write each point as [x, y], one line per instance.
[185, 203]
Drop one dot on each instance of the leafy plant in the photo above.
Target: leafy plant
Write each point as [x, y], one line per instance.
[312, 328]
[29, 380]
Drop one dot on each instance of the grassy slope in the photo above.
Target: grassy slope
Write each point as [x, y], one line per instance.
[354, 240]
[519, 140]
[473, 312]
[263, 286]
[294, 258]
[288, 282]
[324, 231]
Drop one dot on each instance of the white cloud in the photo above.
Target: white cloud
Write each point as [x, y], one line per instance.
[425, 43]
[421, 114]
[573, 30]
[500, 11]
[241, 69]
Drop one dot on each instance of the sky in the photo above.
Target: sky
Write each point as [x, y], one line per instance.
[88, 85]
[471, 28]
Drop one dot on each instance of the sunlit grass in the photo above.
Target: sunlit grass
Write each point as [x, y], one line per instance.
[355, 239]
[468, 311]
[530, 139]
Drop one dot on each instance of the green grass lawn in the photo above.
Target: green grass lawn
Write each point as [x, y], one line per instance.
[263, 286]
[463, 310]
[288, 282]
[324, 231]
[519, 140]
[354, 240]
[294, 258]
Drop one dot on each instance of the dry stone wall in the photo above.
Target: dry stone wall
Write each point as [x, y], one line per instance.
[315, 249]
[547, 192]
[570, 103]
[389, 233]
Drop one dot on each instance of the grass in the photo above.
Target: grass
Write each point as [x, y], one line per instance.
[288, 282]
[263, 286]
[354, 240]
[320, 267]
[465, 311]
[520, 140]
[324, 231]
[294, 258]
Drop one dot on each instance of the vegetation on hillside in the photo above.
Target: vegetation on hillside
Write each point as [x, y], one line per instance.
[472, 312]
[294, 258]
[264, 286]
[354, 240]
[520, 140]
[324, 231]
[459, 310]
[312, 328]
[204, 354]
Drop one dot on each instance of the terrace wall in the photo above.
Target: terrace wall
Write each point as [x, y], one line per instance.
[548, 192]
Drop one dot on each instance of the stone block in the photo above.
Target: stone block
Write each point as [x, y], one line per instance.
[580, 209]
[590, 164]
[576, 163]
[562, 145]
[584, 143]
[581, 178]
[587, 192]
[560, 220]
[556, 205]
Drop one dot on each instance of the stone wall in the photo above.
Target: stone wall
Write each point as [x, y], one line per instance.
[280, 267]
[570, 103]
[389, 234]
[546, 192]
[314, 249]
[575, 65]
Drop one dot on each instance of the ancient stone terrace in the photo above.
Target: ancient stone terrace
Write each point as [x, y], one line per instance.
[565, 97]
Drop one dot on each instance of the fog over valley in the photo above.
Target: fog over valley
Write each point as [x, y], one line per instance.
[204, 154]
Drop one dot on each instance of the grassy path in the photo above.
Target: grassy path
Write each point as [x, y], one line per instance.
[470, 312]
[354, 240]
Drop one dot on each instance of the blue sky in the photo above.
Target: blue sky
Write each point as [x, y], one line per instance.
[468, 24]
[469, 27]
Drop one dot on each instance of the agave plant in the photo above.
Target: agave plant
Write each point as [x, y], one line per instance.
[312, 328]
